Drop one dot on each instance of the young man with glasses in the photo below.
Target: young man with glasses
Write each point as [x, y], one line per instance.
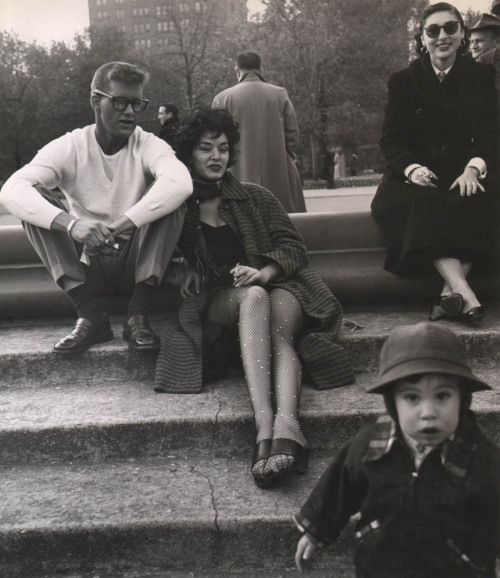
[125, 193]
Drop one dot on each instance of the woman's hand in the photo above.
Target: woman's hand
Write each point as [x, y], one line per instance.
[468, 182]
[423, 177]
[244, 275]
[192, 282]
[304, 554]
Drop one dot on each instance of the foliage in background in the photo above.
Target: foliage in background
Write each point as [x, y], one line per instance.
[333, 56]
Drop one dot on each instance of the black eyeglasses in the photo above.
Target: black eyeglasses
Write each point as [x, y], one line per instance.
[450, 27]
[120, 103]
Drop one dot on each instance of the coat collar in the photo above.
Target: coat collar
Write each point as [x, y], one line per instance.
[231, 188]
[456, 452]
[251, 76]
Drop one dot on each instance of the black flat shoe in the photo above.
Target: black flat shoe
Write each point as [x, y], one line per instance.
[286, 447]
[84, 334]
[474, 315]
[139, 334]
[261, 451]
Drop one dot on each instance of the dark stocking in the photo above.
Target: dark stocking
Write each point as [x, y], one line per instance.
[141, 298]
[85, 303]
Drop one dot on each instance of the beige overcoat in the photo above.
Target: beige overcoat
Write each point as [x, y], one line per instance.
[269, 138]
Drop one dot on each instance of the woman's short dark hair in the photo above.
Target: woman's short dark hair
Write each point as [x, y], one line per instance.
[216, 121]
[441, 7]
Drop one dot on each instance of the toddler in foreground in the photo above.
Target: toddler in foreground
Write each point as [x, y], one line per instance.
[424, 478]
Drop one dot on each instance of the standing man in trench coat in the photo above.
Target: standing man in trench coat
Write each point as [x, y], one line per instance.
[269, 133]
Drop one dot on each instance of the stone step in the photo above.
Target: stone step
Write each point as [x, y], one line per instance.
[27, 360]
[167, 514]
[342, 566]
[85, 422]
[103, 477]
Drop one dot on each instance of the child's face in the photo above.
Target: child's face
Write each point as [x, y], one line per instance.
[428, 409]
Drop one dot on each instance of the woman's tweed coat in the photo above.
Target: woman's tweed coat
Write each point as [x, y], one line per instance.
[267, 235]
[442, 126]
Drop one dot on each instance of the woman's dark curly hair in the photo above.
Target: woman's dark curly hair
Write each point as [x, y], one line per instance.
[215, 121]
[441, 7]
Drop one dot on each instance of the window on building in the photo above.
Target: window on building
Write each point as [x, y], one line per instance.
[148, 27]
[134, 11]
[120, 14]
[148, 42]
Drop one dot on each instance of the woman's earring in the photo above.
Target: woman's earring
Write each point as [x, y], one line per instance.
[423, 49]
[462, 42]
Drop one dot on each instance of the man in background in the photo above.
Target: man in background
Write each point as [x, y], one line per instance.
[269, 133]
[168, 115]
[484, 35]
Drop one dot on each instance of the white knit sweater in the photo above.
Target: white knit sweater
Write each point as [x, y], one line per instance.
[75, 164]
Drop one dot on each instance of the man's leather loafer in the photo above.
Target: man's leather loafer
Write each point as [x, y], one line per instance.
[85, 334]
[139, 334]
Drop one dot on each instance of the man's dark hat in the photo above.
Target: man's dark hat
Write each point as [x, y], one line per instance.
[486, 21]
[495, 7]
[423, 348]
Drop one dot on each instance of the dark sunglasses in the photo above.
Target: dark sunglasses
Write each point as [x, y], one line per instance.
[434, 30]
[120, 103]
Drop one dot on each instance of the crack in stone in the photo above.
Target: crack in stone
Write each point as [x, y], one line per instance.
[216, 421]
[212, 497]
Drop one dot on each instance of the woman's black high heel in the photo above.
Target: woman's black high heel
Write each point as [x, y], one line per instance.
[447, 307]
[261, 451]
[473, 315]
[287, 447]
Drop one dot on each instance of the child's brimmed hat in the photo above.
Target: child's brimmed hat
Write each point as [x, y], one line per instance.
[423, 348]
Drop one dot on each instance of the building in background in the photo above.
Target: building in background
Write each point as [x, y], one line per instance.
[156, 23]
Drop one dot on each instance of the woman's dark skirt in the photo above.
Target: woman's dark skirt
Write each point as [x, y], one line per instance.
[421, 224]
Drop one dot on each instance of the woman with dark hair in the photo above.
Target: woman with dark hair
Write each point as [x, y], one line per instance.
[247, 273]
[434, 202]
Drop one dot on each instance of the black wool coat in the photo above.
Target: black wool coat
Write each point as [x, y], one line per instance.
[267, 234]
[442, 126]
[442, 521]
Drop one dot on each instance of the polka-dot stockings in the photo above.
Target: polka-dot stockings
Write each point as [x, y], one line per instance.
[267, 325]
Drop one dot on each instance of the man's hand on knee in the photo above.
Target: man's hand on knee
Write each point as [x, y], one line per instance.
[121, 225]
[91, 233]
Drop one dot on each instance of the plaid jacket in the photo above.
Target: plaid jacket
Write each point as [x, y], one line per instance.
[267, 234]
[442, 522]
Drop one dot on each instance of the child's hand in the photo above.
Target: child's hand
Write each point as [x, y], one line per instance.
[304, 554]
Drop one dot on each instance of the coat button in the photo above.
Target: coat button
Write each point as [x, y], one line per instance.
[444, 147]
[418, 110]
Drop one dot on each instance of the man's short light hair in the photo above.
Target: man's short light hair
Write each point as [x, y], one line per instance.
[120, 71]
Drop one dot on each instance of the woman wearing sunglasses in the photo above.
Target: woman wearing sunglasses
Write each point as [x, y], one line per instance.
[435, 201]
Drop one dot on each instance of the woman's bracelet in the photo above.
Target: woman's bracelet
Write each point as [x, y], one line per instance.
[71, 224]
[408, 178]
